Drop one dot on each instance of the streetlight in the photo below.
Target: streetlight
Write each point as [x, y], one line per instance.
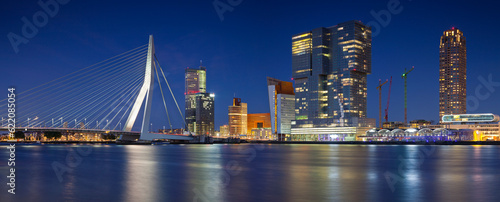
[120, 126]
[85, 123]
[107, 123]
[28, 122]
[97, 124]
[150, 130]
[75, 123]
[52, 122]
[62, 122]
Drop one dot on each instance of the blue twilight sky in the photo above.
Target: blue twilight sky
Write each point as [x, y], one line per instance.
[253, 42]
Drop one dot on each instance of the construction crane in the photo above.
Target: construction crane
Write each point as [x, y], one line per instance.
[386, 117]
[404, 76]
[379, 88]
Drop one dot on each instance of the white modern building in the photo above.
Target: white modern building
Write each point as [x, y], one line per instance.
[282, 106]
[486, 126]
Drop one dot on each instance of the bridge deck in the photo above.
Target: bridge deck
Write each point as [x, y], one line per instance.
[148, 136]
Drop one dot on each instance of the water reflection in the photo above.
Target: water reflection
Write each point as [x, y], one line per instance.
[269, 173]
[142, 170]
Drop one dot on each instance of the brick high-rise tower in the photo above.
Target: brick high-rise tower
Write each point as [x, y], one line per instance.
[452, 73]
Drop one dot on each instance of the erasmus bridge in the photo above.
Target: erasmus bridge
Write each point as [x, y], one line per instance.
[104, 98]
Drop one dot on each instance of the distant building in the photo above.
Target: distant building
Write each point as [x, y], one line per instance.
[281, 105]
[419, 124]
[224, 130]
[262, 134]
[238, 118]
[394, 125]
[199, 107]
[261, 120]
[330, 68]
[172, 131]
[452, 73]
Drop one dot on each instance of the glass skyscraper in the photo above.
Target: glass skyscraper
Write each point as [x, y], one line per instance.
[199, 107]
[330, 68]
[452, 73]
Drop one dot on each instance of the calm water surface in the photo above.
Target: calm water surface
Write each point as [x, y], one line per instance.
[249, 172]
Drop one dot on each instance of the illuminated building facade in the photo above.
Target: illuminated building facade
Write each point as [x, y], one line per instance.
[330, 68]
[260, 120]
[419, 124]
[205, 117]
[172, 131]
[238, 118]
[452, 73]
[281, 105]
[262, 134]
[224, 130]
[394, 125]
[485, 126]
[199, 107]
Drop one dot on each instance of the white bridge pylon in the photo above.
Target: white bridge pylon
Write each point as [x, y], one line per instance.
[146, 92]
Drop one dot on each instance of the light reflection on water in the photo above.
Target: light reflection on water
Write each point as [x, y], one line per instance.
[249, 173]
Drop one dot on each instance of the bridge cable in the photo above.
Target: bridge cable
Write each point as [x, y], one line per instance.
[168, 85]
[115, 57]
[77, 95]
[163, 97]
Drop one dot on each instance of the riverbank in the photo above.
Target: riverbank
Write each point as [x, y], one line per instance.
[279, 142]
[384, 143]
[59, 142]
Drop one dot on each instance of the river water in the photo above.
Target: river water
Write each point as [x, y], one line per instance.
[252, 172]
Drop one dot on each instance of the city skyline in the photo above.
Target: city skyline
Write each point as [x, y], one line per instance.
[240, 100]
[55, 58]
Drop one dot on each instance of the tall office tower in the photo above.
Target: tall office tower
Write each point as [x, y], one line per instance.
[238, 117]
[204, 124]
[330, 65]
[281, 105]
[452, 73]
[199, 108]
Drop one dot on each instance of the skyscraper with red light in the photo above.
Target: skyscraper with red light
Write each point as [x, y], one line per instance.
[199, 108]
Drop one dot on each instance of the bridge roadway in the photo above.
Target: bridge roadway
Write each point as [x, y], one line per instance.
[133, 134]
